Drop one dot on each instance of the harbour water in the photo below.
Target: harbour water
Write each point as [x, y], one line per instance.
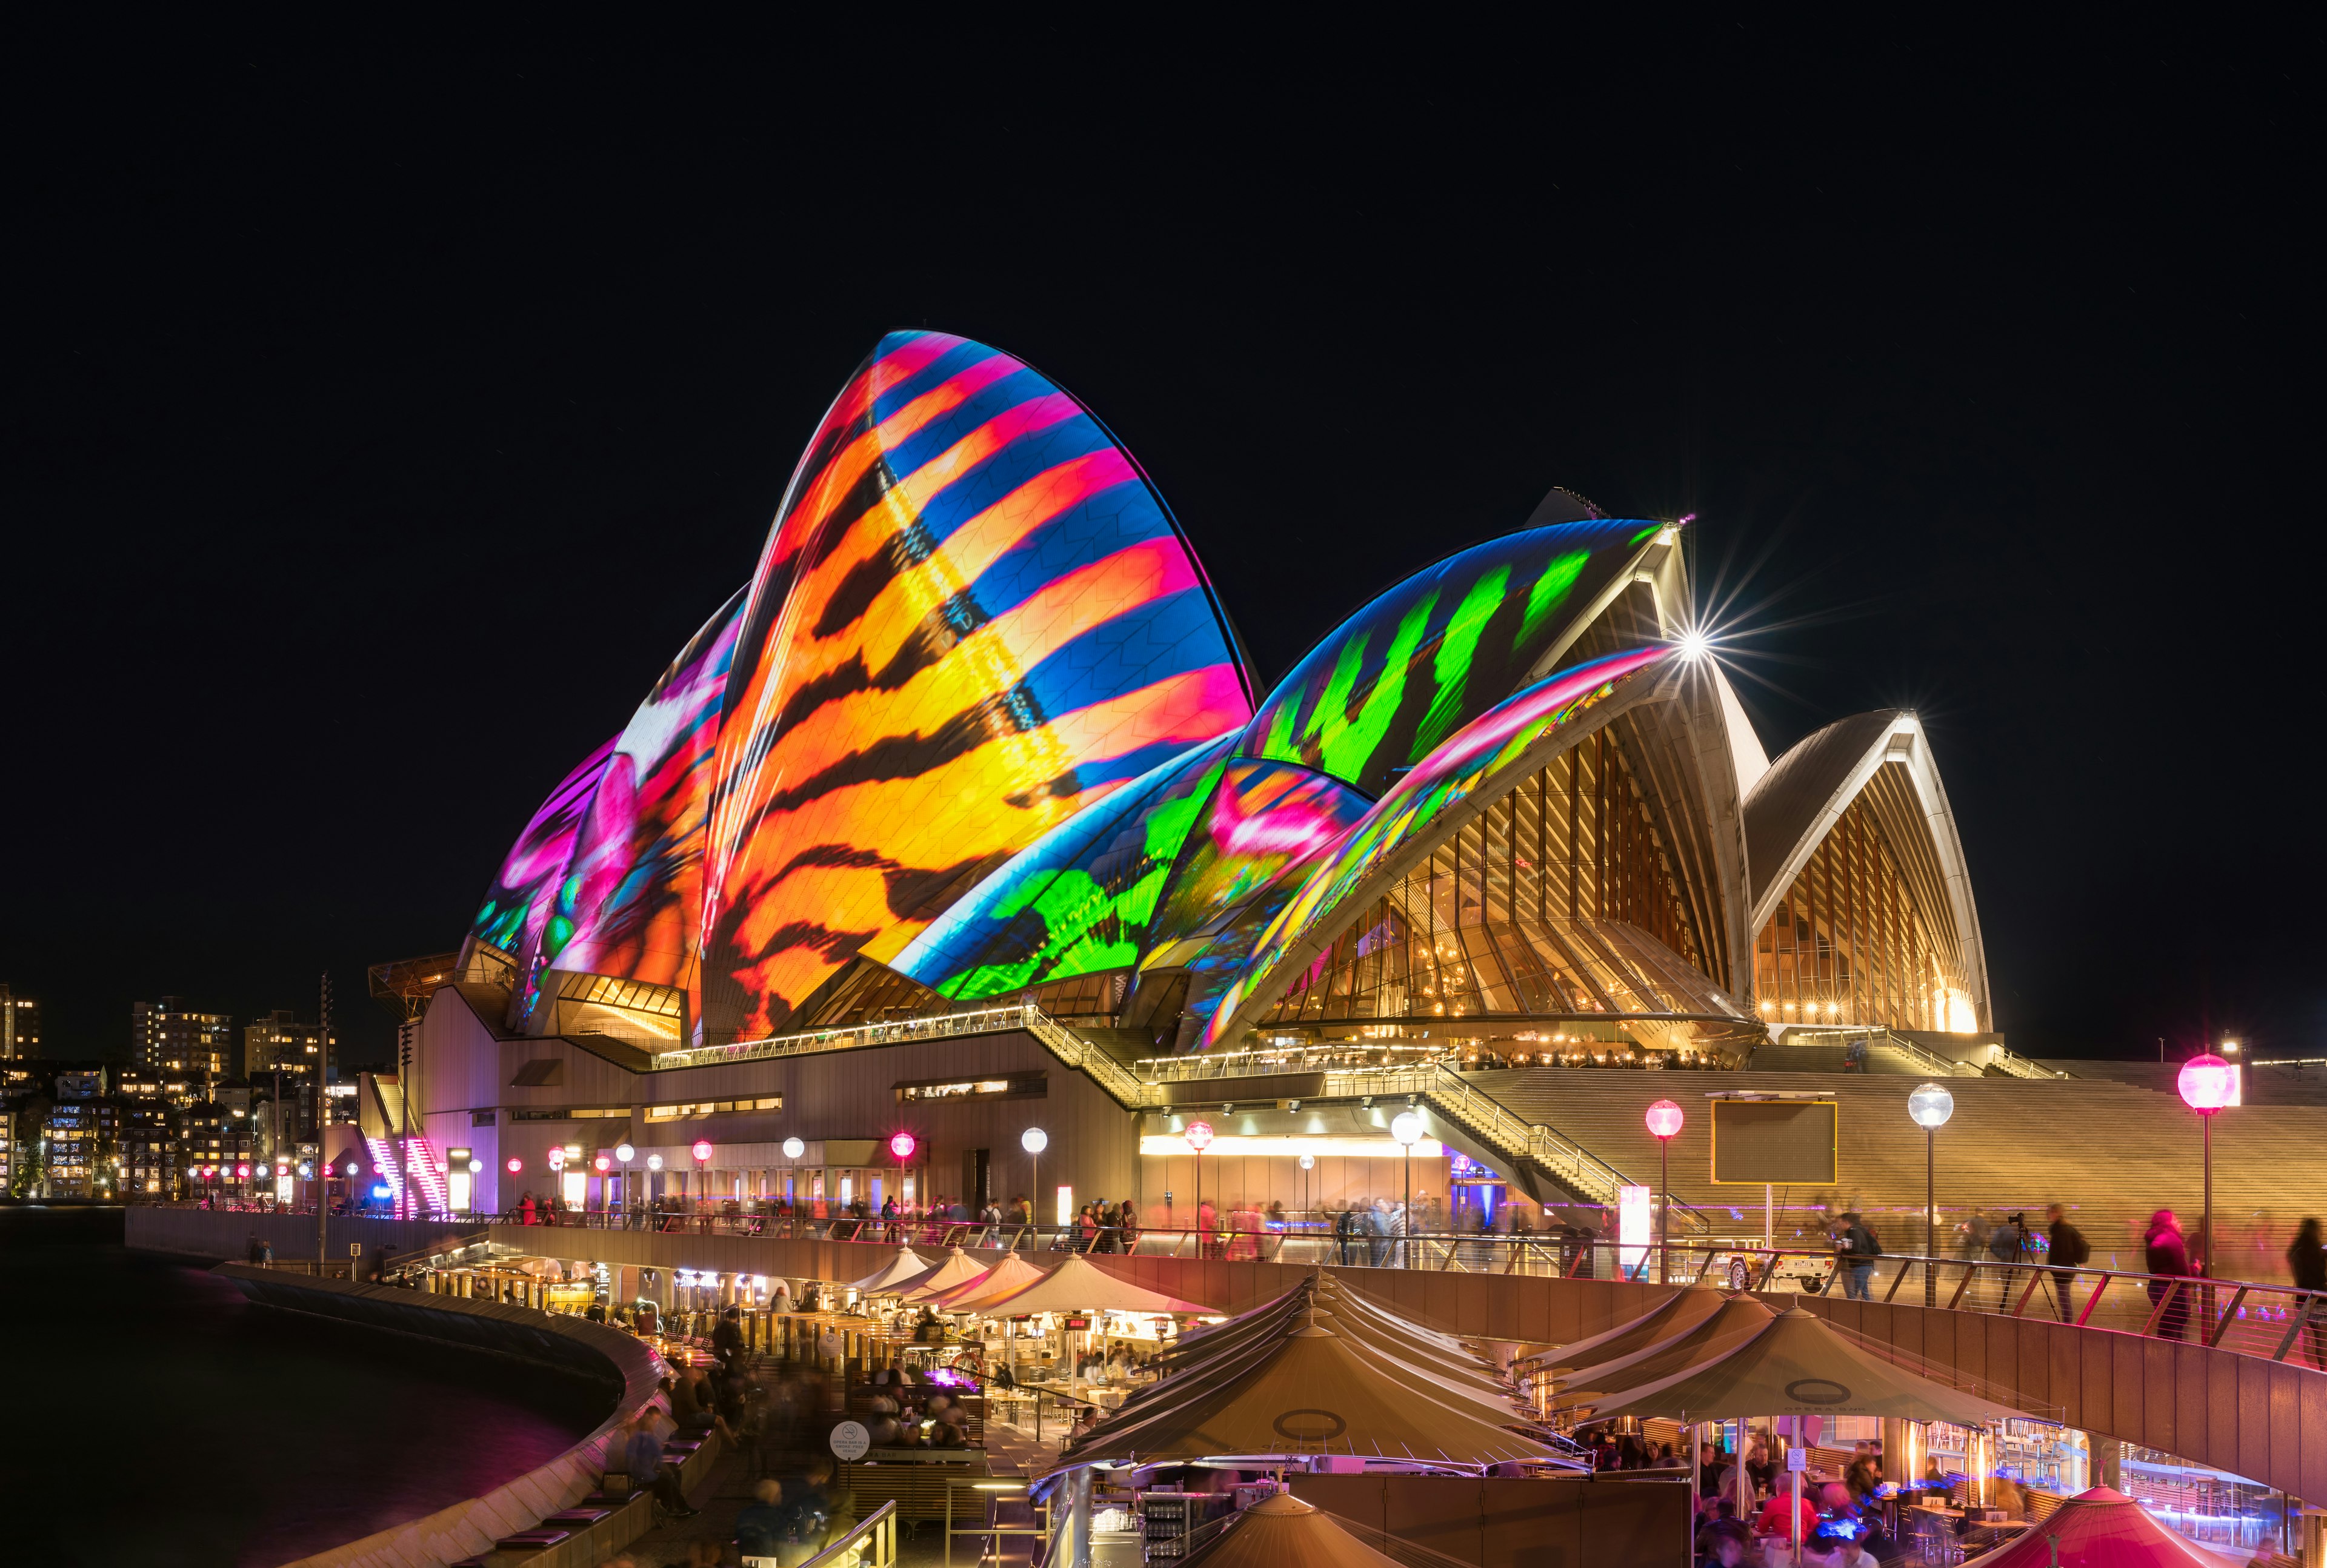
[161, 1419]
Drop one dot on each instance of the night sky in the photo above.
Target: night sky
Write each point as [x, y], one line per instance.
[378, 425]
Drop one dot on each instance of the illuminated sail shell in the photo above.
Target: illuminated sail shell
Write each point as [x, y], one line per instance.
[972, 618]
[1442, 646]
[633, 893]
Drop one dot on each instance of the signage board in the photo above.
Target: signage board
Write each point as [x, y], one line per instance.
[1076, 1323]
[851, 1442]
[1785, 1143]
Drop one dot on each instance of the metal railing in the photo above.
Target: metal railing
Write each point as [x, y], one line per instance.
[2272, 1321]
[849, 1037]
[1923, 1057]
[870, 1543]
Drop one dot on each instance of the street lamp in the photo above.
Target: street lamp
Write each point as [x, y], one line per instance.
[1931, 1106]
[625, 1154]
[701, 1150]
[1308, 1204]
[1665, 1120]
[793, 1150]
[1200, 1138]
[1406, 1128]
[2205, 1085]
[1034, 1140]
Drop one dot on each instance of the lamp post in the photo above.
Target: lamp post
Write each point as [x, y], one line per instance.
[1034, 1140]
[1931, 1106]
[701, 1153]
[1406, 1128]
[793, 1150]
[2205, 1085]
[602, 1164]
[1665, 1120]
[654, 1169]
[901, 1149]
[625, 1154]
[1308, 1163]
[1200, 1138]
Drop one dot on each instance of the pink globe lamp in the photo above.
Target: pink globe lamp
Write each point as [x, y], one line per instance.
[2206, 1085]
[1665, 1120]
[902, 1145]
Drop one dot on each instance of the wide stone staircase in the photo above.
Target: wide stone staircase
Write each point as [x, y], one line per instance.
[2112, 1153]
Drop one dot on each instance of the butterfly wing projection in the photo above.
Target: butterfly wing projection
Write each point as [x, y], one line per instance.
[1432, 653]
[972, 618]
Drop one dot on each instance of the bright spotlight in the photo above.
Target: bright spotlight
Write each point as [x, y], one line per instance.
[1692, 645]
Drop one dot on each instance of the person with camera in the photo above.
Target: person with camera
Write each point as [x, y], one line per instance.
[1857, 1246]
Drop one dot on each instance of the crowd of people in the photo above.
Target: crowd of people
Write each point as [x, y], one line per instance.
[1841, 1522]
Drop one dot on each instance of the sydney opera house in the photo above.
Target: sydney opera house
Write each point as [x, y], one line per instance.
[967, 816]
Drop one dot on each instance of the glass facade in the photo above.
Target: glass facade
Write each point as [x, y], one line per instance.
[1559, 901]
[1476, 760]
[1848, 944]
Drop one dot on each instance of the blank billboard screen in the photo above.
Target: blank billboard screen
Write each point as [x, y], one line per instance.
[1785, 1142]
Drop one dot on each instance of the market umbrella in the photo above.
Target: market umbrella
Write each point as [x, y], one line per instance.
[1077, 1286]
[907, 1265]
[1424, 1378]
[1676, 1314]
[1711, 1338]
[2101, 1529]
[958, 1269]
[1012, 1273]
[1354, 1314]
[1283, 1532]
[1797, 1365]
[1311, 1392]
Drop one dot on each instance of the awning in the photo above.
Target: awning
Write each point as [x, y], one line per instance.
[906, 1266]
[1283, 1532]
[957, 1268]
[1798, 1364]
[1702, 1344]
[2102, 1527]
[1077, 1285]
[1310, 1392]
[1676, 1314]
[1012, 1273]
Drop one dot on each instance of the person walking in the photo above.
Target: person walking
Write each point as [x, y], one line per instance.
[727, 1338]
[2306, 1261]
[2004, 1245]
[2167, 1259]
[2069, 1251]
[1126, 1225]
[1857, 1247]
[1345, 1232]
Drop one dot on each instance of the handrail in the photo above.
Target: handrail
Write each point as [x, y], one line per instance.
[1923, 1055]
[877, 1529]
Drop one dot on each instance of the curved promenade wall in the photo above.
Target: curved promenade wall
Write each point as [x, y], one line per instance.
[628, 1369]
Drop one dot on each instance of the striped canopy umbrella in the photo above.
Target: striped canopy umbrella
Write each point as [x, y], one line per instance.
[906, 1266]
[958, 1269]
[1012, 1274]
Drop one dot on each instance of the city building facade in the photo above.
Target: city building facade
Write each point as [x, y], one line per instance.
[20, 1024]
[193, 1048]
